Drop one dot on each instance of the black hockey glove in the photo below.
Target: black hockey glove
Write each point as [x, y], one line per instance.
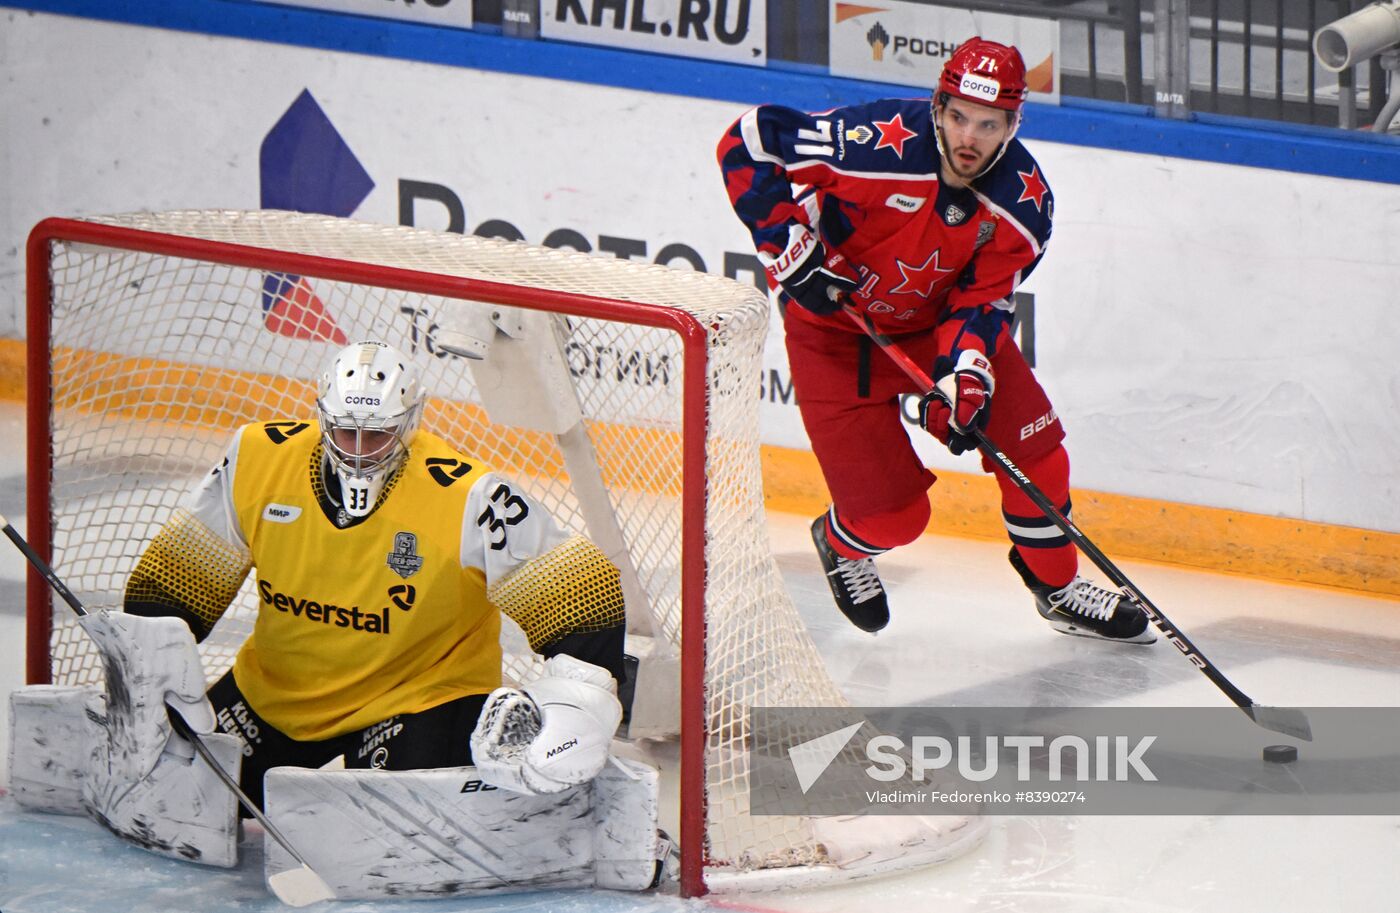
[820, 279]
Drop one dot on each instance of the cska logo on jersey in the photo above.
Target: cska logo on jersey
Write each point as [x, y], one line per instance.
[1033, 187]
[404, 560]
[920, 280]
[893, 134]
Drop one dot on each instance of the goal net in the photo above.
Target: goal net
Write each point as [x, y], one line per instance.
[622, 396]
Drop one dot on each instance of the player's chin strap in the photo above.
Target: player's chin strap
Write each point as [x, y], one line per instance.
[943, 146]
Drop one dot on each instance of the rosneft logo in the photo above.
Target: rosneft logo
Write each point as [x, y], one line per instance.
[879, 39]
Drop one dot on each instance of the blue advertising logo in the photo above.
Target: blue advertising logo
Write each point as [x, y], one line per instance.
[306, 166]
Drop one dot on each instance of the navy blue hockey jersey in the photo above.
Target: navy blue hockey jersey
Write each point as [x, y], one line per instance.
[865, 178]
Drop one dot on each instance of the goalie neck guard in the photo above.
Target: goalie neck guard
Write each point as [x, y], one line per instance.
[369, 405]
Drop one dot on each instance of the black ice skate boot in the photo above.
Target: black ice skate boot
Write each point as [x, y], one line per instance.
[1079, 607]
[855, 585]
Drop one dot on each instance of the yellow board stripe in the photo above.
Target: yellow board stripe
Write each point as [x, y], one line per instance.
[1211, 538]
[12, 369]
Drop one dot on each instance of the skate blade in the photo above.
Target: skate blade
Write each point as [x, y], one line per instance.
[1064, 627]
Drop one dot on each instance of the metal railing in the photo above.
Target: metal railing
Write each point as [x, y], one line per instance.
[1251, 58]
[1254, 58]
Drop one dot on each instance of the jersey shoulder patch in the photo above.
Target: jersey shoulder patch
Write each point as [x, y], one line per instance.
[889, 136]
[279, 432]
[1017, 185]
[277, 439]
[443, 463]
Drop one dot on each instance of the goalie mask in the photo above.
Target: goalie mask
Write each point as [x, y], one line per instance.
[369, 403]
[984, 73]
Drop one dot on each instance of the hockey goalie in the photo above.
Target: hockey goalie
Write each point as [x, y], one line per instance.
[365, 713]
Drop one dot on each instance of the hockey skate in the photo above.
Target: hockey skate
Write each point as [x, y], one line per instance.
[855, 585]
[1081, 608]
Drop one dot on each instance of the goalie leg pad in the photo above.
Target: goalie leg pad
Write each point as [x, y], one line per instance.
[181, 809]
[628, 847]
[430, 833]
[427, 833]
[53, 736]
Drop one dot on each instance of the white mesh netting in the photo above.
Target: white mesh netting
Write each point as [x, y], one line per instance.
[156, 359]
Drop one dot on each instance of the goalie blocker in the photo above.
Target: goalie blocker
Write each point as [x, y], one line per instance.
[111, 753]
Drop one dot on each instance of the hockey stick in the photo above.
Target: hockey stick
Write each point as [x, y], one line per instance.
[294, 887]
[1286, 720]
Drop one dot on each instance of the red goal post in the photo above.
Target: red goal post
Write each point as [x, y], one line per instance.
[152, 336]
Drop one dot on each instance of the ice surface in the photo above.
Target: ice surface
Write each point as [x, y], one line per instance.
[963, 632]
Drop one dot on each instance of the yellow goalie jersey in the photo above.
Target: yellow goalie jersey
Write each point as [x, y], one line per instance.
[359, 620]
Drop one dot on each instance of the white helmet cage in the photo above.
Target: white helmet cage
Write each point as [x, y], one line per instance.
[370, 403]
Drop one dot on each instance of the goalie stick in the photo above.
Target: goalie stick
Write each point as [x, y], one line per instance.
[1288, 721]
[296, 887]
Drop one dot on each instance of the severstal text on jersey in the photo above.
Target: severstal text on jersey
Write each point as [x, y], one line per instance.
[326, 613]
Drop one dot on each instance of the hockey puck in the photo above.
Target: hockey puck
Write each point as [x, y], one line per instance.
[1280, 754]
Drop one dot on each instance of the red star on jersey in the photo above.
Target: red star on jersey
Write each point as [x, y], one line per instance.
[893, 133]
[1035, 188]
[919, 280]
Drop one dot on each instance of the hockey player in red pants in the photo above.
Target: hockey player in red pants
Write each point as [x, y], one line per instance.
[925, 215]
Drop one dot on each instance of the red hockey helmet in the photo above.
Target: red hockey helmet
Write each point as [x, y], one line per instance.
[987, 73]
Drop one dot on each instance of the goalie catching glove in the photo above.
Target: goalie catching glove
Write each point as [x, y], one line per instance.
[552, 734]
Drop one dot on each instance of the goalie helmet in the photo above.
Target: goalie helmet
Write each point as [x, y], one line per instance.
[369, 404]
